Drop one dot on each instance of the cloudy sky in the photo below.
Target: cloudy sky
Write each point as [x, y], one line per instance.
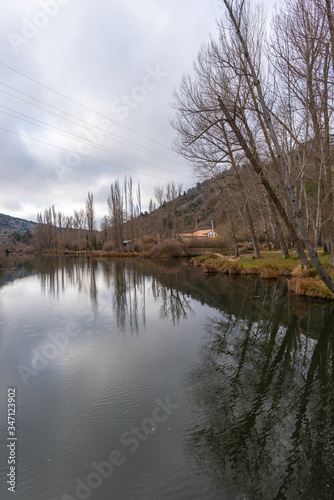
[86, 88]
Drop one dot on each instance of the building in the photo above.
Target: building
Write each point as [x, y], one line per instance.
[200, 234]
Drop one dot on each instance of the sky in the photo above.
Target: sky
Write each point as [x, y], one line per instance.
[85, 97]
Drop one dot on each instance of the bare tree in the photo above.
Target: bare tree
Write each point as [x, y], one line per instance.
[90, 217]
[234, 88]
[116, 214]
[140, 215]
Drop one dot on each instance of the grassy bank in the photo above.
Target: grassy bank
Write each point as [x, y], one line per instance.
[271, 266]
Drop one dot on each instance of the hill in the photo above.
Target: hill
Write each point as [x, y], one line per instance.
[193, 210]
[9, 225]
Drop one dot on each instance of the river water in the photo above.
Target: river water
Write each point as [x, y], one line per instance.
[143, 380]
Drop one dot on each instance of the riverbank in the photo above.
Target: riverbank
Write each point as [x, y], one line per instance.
[271, 266]
[303, 282]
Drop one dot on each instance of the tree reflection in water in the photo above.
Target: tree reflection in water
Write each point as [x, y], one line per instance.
[134, 281]
[129, 283]
[262, 399]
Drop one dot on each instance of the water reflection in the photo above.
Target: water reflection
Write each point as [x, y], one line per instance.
[263, 396]
[261, 418]
[130, 284]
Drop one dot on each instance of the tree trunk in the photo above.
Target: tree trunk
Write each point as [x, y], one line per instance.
[282, 244]
[255, 162]
[298, 221]
[236, 249]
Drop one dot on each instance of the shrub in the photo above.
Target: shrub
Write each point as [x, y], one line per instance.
[169, 248]
[109, 246]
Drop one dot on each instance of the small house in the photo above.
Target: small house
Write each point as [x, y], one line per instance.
[200, 234]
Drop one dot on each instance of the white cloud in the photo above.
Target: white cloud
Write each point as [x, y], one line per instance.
[95, 53]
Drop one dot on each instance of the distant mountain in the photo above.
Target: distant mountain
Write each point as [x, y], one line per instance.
[9, 225]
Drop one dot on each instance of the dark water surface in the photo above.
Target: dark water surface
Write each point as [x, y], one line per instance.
[140, 380]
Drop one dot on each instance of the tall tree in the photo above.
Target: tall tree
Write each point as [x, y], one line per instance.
[235, 88]
[90, 217]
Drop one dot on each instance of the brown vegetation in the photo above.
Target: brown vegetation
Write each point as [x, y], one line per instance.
[223, 244]
[109, 246]
[309, 287]
[169, 248]
[2, 262]
[29, 249]
[269, 272]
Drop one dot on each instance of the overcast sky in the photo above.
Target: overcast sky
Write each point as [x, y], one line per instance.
[120, 60]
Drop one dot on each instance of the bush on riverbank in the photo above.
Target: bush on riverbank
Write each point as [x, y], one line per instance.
[166, 249]
[270, 266]
[109, 246]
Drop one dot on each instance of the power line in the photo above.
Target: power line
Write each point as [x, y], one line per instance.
[83, 106]
[83, 156]
[80, 138]
[110, 134]
[106, 149]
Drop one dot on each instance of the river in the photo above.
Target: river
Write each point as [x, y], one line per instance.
[147, 380]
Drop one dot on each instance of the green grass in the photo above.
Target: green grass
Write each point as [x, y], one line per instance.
[270, 265]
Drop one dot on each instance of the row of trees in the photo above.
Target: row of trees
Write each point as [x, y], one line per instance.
[120, 228]
[124, 220]
[261, 110]
[57, 230]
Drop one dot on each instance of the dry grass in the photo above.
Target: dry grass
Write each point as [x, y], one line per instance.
[310, 287]
[269, 273]
[217, 265]
[285, 271]
[249, 271]
[297, 272]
